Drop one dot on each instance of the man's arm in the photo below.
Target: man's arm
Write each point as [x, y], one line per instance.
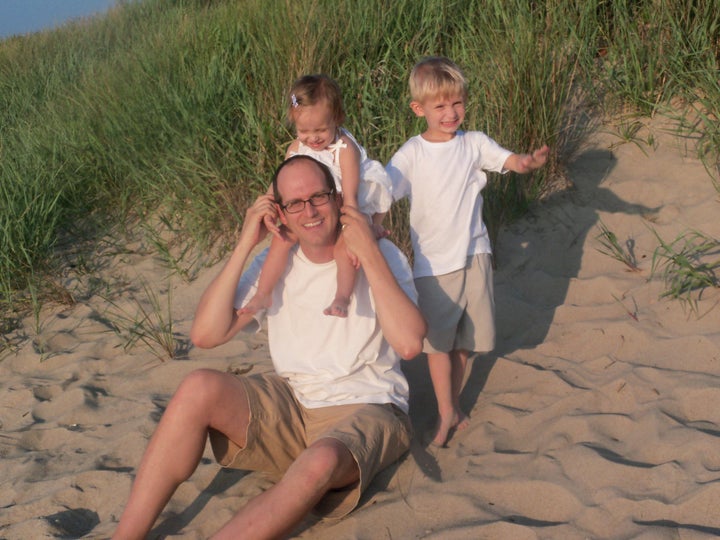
[524, 163]
[400, 319]
[216, 320]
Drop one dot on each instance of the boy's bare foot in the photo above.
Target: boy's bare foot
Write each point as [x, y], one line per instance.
[338, 308]
[257, 303]
[463, 422]
[446, 426]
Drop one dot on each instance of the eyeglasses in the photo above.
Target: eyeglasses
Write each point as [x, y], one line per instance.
[293, 207]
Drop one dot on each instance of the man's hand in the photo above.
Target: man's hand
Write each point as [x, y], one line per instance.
[401, 321]
[260, 218]
[359, 237]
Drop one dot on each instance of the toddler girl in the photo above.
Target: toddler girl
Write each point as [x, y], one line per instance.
[315, 109]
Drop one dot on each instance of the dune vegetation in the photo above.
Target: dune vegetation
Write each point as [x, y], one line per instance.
[164, 118]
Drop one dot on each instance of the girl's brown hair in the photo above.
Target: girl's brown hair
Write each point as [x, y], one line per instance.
[312, 89]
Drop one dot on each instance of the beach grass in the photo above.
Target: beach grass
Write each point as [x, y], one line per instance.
[147, 321]
[172, 113]
[688, 264]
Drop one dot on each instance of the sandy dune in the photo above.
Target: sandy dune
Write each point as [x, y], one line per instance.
[597, 416]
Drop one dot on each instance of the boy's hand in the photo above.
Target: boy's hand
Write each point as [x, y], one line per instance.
[525, 163]
[530, 162]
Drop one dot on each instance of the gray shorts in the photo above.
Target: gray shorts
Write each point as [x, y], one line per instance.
[280, 428]
[459, 307]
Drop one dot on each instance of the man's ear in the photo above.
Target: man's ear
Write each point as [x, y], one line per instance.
[417, 108]
[280, 213]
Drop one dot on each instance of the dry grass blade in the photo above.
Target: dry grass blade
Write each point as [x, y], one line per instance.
[610, 245]
[633, 314]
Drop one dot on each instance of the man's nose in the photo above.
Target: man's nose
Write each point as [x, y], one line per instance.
[310, 210]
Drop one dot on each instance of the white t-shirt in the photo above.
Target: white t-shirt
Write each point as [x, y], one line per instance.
[443, 181]
[330, 360]
[373, 192]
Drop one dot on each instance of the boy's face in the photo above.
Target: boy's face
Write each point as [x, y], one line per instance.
[443, 115]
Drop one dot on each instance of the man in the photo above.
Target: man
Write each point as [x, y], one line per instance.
[335, 412]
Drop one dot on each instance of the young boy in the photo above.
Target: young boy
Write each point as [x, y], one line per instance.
[442, 172]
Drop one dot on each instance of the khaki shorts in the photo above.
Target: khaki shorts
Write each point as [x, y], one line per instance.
[280, 428]
[459, 308]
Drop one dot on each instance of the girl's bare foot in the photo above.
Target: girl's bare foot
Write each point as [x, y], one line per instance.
[257, 303]
[338, 308]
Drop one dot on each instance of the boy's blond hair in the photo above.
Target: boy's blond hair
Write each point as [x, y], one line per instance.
[436, 77]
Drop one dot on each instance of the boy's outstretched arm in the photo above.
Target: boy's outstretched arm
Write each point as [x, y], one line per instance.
[525, 163]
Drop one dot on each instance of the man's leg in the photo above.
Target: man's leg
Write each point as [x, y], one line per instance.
[205, 399]
[326, 464]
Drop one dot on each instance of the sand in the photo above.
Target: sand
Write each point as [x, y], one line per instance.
[596, 416]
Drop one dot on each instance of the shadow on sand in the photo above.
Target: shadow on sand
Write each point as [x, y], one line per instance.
[173, 524]
[536, 258]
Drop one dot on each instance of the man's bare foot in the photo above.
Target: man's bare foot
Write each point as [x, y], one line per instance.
[338, 308]
[257, 303]
[446, 426]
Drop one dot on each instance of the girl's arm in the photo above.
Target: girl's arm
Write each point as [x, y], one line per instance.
[350, 172]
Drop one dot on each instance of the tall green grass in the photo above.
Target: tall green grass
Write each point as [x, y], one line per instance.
[171, 111]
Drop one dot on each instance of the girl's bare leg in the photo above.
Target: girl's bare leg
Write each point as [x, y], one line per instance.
[271, 272]
[345, 281]
[376, 222]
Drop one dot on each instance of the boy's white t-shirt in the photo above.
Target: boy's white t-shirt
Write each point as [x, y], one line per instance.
[330, 360]
[443, 181]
